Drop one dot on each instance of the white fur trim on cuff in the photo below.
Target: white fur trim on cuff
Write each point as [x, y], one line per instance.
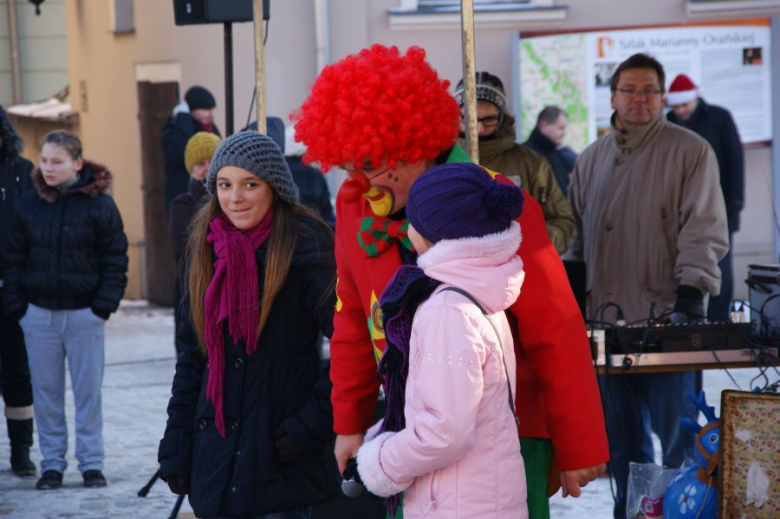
[373, 431]
[370, 469]
[679, 98]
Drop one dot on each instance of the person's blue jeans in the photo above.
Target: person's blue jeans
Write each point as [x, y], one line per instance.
[633, 406]
[719, 306]
[52, 337]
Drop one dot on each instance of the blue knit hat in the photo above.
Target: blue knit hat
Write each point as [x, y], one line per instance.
[258, 154]
[461, 200]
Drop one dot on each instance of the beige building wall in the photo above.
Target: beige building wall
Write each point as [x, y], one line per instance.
[42, 51]
[104, 68]
[103, 71]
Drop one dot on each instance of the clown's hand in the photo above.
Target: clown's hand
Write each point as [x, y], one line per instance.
[573, 480]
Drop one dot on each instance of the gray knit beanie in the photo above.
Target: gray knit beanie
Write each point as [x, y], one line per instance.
[258, 154]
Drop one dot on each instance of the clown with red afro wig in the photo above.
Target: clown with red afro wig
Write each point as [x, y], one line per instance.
[377, 105]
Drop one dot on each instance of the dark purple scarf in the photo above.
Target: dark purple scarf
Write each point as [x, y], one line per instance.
[408, 289]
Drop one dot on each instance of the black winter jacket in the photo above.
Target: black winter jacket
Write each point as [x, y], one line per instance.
[183, 209]
[280, 385]
[67, 249]
[15, 180]
[313, 188]
[561, 159]
[717, 127]
[175, 134]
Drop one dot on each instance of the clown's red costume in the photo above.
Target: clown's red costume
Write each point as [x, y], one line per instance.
[386, 118]
[556, 392]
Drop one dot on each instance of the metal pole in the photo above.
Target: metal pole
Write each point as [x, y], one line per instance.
[322, 26]
[469, 78]
[16, 69]
[774, 159]
[260, 67]
[228, 78]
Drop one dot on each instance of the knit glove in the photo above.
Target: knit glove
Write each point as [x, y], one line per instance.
[181, 108]
[689, 307]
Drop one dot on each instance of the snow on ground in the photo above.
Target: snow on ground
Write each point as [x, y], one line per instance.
[136, 388]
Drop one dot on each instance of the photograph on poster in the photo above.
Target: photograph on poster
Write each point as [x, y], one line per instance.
[729, 61]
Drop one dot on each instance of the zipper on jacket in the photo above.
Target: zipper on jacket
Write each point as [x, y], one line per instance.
[59, 251]
[432, 493]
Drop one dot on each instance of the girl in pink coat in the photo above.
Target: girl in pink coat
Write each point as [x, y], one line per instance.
[449, 438]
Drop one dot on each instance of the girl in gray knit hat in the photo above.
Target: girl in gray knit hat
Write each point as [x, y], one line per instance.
[249, 420]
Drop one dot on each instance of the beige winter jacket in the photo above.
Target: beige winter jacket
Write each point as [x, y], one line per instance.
[650, 216]
[532, 172]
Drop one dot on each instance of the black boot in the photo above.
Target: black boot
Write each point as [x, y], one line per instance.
[20, 432]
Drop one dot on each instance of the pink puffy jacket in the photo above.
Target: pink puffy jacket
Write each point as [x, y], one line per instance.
[459, 455]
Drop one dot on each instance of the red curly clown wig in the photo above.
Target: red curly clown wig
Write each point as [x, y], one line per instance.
[377, 105]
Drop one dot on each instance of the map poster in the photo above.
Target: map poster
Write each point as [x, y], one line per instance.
[729, 61]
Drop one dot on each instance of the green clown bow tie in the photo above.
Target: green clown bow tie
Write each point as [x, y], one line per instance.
[376, 235]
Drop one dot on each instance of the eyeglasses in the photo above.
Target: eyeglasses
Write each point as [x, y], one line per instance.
[490, 121]
[365, 172]
[647, 93]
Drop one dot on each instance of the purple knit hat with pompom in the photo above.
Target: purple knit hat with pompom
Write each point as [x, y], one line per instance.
[461, 200]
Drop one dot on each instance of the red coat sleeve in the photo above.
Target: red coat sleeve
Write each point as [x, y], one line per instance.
[557, 394]
[353, 367]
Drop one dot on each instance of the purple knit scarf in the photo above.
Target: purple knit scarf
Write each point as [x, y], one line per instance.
[232, 295]
[408, 289]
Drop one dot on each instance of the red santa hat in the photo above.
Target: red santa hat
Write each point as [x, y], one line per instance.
[681, 91]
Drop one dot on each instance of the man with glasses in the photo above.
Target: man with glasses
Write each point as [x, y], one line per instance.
[387, 117]
[651, 227]
[499, 151]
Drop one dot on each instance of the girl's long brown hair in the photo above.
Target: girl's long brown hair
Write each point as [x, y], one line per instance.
[285, 231]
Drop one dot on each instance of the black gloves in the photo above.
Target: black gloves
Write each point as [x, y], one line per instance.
[101, 313]
[17, 315]
[689, 307]
[178, 485]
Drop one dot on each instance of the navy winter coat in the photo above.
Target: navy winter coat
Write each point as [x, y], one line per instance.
[14, 180]
[282, 385]
[313, 188]
[561, 159]
[717, 127]
[175, 134]
[67, 250]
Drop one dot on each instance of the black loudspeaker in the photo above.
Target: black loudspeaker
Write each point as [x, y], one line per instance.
[764, 288]
[193, 12]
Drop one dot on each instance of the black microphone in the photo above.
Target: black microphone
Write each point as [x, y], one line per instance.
[352, 485]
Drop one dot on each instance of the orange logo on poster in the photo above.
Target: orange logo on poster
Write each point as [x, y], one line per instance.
[605, 46]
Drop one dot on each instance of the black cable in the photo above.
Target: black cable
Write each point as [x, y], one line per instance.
[606, 408]
[723, 367]
[761, 374]
[765, 319]
[254, 91]
[252, 102]
[609, 304]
